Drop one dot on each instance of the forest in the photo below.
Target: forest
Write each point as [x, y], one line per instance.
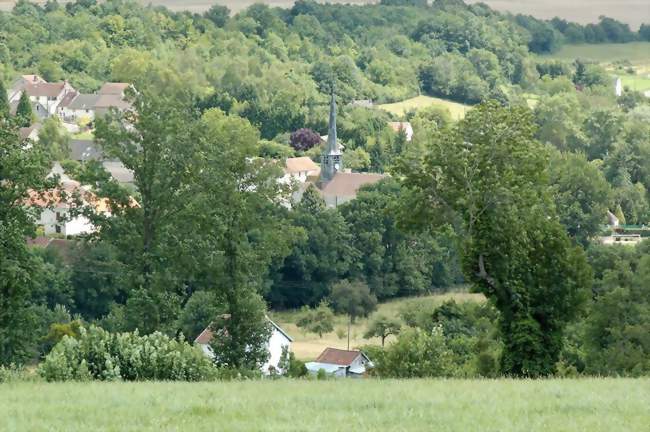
[510, 201]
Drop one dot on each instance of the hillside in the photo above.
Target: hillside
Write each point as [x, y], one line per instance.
[595, 405]
[456, 110]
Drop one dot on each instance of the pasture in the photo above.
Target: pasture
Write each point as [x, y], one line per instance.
[634, 52]
[307, 346]
[594, 405]
[456, 110]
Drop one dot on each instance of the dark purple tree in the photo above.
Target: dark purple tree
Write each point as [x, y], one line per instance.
[304, 139]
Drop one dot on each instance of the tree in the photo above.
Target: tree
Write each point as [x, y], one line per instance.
[24, 114]
[319, 320]
[304, 139]
[582, 195]
[489, 174]
[5, 109]
[382, 327]
[21, 172]
[55, 138]
[353, 299]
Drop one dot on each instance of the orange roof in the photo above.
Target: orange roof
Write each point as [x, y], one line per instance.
[44, 89]
[338, 357]
[64, 195]
[348, 184]
[300, 164]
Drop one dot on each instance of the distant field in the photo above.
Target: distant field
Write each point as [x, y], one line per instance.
[634, 12]
[635, 52]
[594, 405]
[307, 346]
[456, 110]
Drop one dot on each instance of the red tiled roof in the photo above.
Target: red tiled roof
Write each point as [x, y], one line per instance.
[348, 184]
[111, 88]
[39, 242]
[206, 335]
[338, 357]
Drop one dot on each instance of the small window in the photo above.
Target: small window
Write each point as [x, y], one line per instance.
[57, 229]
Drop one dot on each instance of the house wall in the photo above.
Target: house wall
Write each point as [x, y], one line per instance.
[334, 201]
[49, 221]
[71, 115]
[275, 346]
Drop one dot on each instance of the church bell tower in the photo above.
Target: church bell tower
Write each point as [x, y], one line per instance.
[332, 159]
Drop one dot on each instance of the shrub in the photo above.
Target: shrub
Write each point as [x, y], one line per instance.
[99, 355]
[12, 373]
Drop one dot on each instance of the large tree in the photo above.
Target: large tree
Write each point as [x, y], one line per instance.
[24, 112]
[489, 175]
[21, 171]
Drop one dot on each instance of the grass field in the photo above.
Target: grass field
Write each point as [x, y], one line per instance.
[635, 52]
[456, 110]
[307, 346]
[593, 405]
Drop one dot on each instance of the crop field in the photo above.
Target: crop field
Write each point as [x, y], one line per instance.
[456, 110]
[594, 405]
[307, 346]
[634, 52]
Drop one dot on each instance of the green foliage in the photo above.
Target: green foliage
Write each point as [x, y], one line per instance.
[98, 355]
[5, 109]
[319, 320]
[55, 138]
[353, 298]
[382, 326]
[490, 174]
[417, 353]
[24, 113]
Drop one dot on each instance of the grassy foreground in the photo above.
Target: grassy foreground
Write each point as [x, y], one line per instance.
[592, 405]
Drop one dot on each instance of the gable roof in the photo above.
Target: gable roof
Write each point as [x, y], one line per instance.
[25, 132]
[113, 88]
[111, 101]
[348, 184]
[68, 98]
[83, 101]
[206, 335]
[44, 89]
[300, 164]
[339, 357]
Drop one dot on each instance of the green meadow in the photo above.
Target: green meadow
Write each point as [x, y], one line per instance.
[634, 52]
[594, 405]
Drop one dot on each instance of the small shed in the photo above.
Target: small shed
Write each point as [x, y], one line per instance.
[340, 363]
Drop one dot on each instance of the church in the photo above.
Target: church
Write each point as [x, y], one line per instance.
[336, 184]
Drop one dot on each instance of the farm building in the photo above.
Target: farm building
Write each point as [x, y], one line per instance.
[278, 342]
[340, 363]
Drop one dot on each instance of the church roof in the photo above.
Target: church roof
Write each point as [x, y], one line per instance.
[348, 184]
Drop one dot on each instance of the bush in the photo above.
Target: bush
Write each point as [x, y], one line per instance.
[99, 355]
[12, 373]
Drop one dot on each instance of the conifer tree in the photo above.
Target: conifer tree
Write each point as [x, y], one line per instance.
[4, 102]
[24, 113]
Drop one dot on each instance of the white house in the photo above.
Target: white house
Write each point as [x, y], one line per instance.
[340, 363]
[300, 169]
[405, 127]
[57, 215]
[80, 106]
[277, 343]
[45, 97]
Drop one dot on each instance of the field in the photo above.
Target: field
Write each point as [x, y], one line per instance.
[307, 346]
[635, 52]
[456, 110]
[633, 12]
[594, 405]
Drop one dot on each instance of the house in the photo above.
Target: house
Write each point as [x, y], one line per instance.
[112, 88]
[340, 363]
[83, 150]
[300, 169]
[30, 133]
[405, 127]
[276, 345]
[59, 205]
[45, 97]
[80, 106]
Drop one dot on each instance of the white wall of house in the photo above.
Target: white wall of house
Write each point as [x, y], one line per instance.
[72, 115]
[54, 221]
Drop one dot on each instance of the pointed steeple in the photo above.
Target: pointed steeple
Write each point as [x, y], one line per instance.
[332, 159]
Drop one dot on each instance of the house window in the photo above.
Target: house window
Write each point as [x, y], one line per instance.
[57, 228]
[58, 216]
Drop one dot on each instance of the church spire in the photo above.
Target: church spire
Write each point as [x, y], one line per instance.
[331, 160]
